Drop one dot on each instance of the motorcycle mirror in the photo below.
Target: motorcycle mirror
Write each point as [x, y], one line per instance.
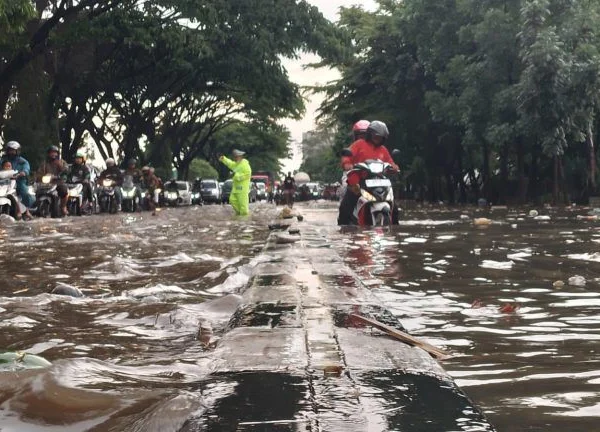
[347, 153]
[395, 154]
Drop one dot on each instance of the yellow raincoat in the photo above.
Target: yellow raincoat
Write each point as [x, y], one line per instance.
[242, 172]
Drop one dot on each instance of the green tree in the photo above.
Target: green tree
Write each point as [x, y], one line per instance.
[200, 168]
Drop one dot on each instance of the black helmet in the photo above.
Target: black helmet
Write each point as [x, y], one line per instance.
[54, 149]
[132, 161]
[377, 128]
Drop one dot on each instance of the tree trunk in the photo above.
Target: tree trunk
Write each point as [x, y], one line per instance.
[450, 188]
[591, 159]
[534, 192]
[555, 187]
[521, 195]
[485, 172]
[503, 192]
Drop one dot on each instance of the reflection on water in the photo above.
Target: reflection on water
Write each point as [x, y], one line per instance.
[534, 368]
[130, 350]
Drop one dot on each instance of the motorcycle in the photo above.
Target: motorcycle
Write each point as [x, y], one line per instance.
[47, 201]
[76, 202]
[8, 193]
[107, 198]
[130, 196]
[171, 196]
[375, 204]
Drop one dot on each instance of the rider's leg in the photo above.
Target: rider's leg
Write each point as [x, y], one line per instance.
[347, 207]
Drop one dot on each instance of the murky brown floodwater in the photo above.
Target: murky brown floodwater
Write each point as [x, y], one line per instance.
[535, 369]
[146, 280]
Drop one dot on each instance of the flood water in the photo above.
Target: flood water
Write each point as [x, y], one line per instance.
[132, 344]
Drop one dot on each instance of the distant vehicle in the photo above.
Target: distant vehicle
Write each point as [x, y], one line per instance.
[308, 191]
[261, 191]
[266, 177]
[210, 191]
[178, 193]
[226, 190]
[253, 194]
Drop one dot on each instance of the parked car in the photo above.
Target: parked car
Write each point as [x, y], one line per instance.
[226, 190]
[210, 191]
[261, 191]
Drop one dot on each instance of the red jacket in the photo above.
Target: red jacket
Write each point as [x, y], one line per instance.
[362, 151]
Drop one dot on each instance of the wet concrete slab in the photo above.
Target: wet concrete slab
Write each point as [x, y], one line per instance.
[294, 340]
[262, 349]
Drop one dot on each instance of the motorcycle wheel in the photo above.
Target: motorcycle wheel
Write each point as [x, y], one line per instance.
[44, 209]
[55, 211]
[113, 205]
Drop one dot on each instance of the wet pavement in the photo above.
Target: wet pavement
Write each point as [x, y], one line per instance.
[138, 351]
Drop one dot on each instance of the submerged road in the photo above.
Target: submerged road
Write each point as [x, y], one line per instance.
[193, 320]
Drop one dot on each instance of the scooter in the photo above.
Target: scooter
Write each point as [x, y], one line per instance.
[76, 203]
[47, 201]
[8, 193]
[107, 196]
[375, 204]
[130, 196]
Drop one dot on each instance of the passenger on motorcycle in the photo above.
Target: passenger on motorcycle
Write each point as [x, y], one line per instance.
[371, 147]
[53, 165]
[112, 172]
[359, 131]
[12, 153]
[18, 206]
[80, 173]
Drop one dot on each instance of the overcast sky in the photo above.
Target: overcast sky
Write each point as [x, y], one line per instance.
[311, 77]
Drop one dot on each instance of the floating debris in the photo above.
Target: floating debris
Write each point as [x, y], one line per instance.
[66, 290]
[577, 281]
[509, 308]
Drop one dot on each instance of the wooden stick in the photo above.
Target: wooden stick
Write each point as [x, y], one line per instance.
[404, 337]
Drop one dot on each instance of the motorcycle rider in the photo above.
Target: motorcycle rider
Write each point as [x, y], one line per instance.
[80, 173]
[152, 183]
[369, 147]
[19, 207]
[12, 153]
[53, 165]
[136, 176]
[112, 172]
[289, 188]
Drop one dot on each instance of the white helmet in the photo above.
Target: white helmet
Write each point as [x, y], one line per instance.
[13, 145]
[110, 162]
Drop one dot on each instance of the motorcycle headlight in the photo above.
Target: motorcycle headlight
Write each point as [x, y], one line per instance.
[107, 183]
[367, 195]
[47, 179]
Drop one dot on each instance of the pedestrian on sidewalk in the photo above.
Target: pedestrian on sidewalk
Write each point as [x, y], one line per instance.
[242, 173]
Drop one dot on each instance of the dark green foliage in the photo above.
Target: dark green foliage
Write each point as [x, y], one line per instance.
[494, 99]
[158, 79]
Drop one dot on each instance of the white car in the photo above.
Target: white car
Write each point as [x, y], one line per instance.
[181, 196]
